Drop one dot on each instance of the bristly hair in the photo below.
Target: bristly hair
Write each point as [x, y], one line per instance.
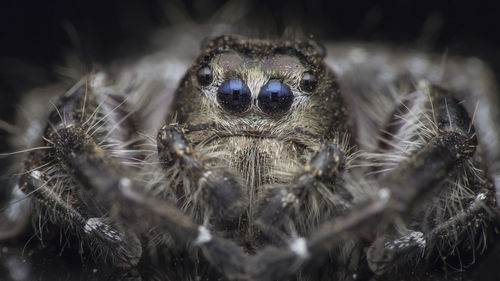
[412, 127]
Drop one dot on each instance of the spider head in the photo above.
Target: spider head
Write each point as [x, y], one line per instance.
[261, 87]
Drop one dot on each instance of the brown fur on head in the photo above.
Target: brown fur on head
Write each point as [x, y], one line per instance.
[321, 111]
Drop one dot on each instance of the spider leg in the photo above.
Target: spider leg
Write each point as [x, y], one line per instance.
[113, 188]
[323, 167]
[384, 253]
[53, 184]
[440, 156]
[219, 188]
[482, 99]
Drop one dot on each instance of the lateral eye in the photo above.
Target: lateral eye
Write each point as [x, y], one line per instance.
[234, 96]
[308, 82]
[275, 97]
[204, 76]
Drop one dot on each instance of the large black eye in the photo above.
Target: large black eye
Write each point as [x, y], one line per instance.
[234, 95]
[275, 97]
[308, 82]
[204, 76]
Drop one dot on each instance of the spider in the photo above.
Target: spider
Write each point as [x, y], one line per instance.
[274, 162]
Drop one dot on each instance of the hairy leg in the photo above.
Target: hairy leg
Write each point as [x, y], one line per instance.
[464, 197]
[54, 184]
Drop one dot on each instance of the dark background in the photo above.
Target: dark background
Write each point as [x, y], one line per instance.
[36, 36]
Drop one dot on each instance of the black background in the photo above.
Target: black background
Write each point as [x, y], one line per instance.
[36, 35]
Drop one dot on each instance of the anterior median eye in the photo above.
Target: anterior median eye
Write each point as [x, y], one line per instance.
[234, 95]
[275, 97]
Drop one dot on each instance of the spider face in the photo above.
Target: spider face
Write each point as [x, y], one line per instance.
[262, 88]
[256, 172]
